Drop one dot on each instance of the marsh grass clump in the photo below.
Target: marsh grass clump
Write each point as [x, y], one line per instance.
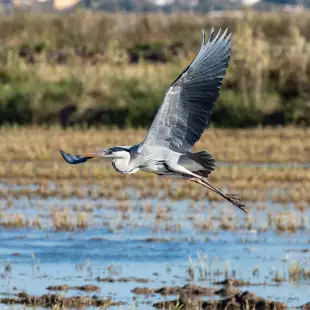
[288, 222]
[82, 221]
[227, 222]
[206, 225]
[296, 272]
[13, 221]
[62, 221]
[191, 269]
[35, 223]
[202, 265]
[278, 277]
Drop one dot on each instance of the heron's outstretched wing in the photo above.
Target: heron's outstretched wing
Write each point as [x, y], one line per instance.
[186, 110]
[73, 159]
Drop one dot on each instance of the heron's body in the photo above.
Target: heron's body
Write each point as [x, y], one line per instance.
[182, 118]
[135, 159]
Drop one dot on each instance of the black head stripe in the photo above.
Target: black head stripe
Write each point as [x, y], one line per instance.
[118, 149]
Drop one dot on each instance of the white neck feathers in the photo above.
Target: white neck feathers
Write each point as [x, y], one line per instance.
[123, 163]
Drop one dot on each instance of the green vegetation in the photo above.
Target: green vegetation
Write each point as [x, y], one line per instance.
[113, 70]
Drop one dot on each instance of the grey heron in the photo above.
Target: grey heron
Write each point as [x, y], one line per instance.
[180, 121]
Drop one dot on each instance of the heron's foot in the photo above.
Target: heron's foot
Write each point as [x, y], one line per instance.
[234, 196]
[236, 201]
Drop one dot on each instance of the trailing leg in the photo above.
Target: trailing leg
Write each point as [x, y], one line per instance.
[232, 198]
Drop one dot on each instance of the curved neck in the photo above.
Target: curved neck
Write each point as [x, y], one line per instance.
[123, 165]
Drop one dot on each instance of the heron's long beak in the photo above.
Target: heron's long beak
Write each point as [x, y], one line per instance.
[92, 155]
[100, 153]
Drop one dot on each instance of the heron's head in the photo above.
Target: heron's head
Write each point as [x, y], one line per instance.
[116, 152]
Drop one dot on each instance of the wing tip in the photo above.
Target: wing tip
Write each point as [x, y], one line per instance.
[73, 159]
[203, 41]
[210, 34]
[62, 152]
[226, 35]
[64, 156]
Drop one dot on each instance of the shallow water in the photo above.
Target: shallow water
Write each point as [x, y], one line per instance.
[114, 246]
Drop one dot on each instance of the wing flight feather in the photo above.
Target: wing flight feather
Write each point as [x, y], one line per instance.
[186, 110]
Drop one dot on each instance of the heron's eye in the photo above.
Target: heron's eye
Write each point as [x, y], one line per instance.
[109, 152]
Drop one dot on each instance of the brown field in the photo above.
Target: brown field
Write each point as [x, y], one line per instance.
[31, 156]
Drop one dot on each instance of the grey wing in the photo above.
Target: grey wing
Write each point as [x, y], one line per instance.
[186, 110]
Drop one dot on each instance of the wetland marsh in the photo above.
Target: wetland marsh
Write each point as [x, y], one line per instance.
[85, 236]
